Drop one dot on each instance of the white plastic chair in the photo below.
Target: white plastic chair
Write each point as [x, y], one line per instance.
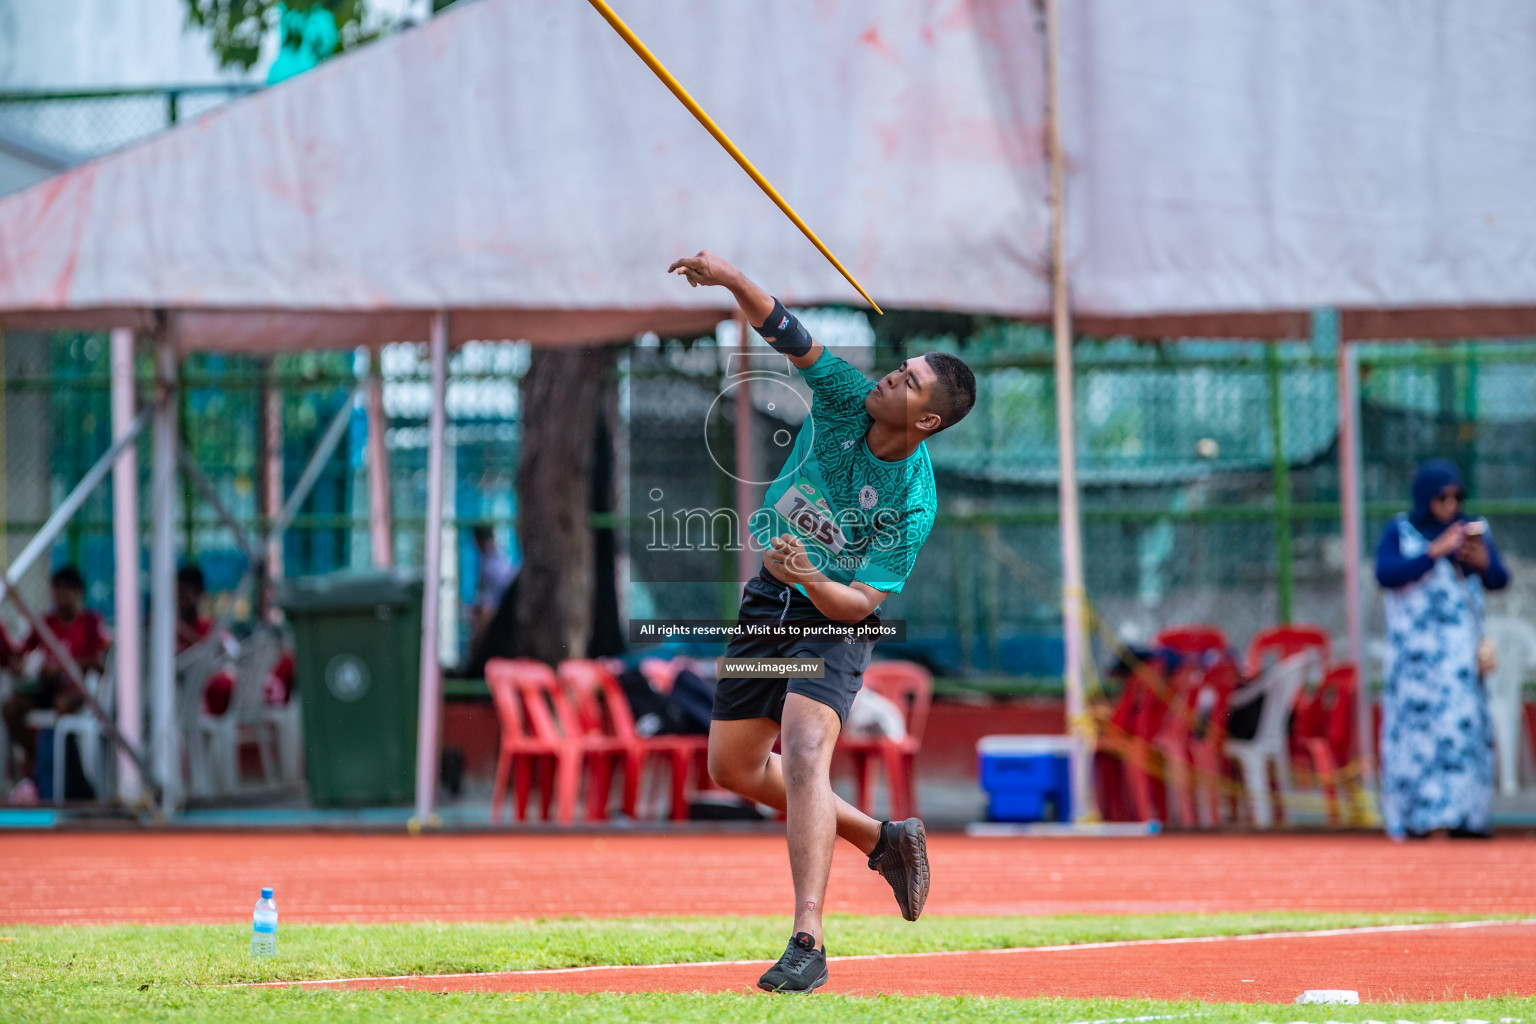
[1270, 744]
[1515, 640]
[246, 720]
[86, 730]
[288, 726]
[194, 666]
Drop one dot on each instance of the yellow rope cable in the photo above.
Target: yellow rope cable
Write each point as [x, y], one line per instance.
[1351, 800]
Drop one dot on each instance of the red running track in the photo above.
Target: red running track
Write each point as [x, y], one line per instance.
[1382, 965]
[79, 877]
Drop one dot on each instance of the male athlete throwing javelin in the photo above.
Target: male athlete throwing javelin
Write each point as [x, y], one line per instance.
[840, 529]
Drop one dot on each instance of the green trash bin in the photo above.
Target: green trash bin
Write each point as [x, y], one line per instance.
[357, 651]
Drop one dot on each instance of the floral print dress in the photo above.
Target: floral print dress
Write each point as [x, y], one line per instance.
[1436, 736]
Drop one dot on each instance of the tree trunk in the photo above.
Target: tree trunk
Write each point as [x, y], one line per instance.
[561, 407]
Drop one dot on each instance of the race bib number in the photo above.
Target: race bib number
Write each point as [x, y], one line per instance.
[804, 508]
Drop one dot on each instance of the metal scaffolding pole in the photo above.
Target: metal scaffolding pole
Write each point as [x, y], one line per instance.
[127, 647]
[1353, 526]
[76, 675]
[748, 562]
[312, 470]
[272, 473]
[162, 581]
[1073, 595]
[39, 545]
[43, 539]
[431, 672]
[381, 526]
[1280, 479]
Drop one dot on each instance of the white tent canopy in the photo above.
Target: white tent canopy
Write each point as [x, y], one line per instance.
[1288, 156]
[514, 163]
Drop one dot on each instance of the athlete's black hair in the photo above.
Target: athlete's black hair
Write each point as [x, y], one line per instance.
[954, 391]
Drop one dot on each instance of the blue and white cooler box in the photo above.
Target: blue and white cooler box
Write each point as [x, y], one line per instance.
[1026, 778]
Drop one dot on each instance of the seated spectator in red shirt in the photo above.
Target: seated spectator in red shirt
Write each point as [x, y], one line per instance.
[82, 634]
[79, 629]
[193, 626]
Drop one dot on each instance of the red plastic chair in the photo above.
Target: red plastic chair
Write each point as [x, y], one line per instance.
[1325, 730]
[604, 720]
[526, 746]
[1275, 644]
[1192, 638]
[603, 710]
[1191, 738]
[1111, 787]
[1283, 641]
[541, 734]
[1125, 744]
[910, 688]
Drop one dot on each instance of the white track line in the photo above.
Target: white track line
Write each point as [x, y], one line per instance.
[1010, 950]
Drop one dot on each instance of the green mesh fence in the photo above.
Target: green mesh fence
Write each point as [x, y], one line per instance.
[1190, 512]
[57, 423]
[79, 124]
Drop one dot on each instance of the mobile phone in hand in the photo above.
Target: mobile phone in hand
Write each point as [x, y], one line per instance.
[1476, 527]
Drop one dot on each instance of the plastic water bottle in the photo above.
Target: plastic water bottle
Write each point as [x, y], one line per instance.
[264, 925]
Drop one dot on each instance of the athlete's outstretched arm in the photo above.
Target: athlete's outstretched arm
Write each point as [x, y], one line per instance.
[708, 269]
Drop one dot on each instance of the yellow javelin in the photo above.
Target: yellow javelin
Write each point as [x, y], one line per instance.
[720, 137]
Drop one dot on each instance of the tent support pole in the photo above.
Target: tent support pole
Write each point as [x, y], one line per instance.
[162, 581]
[381, 527]
[432, 570]
[1073, 595]
[1280, 480]
[1348, 389]
[272, 474]
[747, 561]
[127, 647]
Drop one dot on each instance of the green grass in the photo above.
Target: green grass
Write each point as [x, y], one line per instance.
[147, 972]
[545, 1008]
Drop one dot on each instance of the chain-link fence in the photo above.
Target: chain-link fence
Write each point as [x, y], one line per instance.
[1190, 513]
[57, 420]
[80, 124]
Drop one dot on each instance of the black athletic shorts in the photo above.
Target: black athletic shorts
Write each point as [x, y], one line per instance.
[763, 600]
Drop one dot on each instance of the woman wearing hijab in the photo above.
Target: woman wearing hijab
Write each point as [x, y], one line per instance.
[1436, 738]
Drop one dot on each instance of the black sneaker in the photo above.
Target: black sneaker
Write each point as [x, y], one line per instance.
[802, 968]
[901, 857]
